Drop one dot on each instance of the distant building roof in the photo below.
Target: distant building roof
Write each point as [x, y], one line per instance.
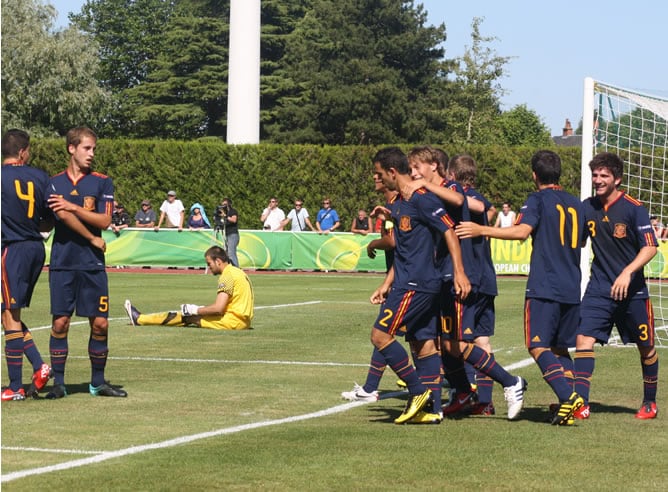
[567, 138]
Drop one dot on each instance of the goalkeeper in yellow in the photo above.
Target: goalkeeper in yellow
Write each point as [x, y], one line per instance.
[232, 309]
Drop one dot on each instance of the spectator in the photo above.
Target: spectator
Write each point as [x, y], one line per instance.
[120, 219]
[299, 218]
[327, 220]
[145, 216]
[173, 209]
[361, 224]
[506, 217]
[272, 217]
[197, 219]
[227, 220]
[659, 229]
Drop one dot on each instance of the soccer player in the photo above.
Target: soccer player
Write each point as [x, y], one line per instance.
[554, 220]
[232, 309]
[77, 276]
[623, 242]
[410, 291]
[369, 391]
[459, 313]
[23, 208]
[462, 169]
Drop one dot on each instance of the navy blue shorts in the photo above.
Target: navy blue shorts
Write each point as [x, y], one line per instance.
[634, 319]
[410, 313]
[468, 319]
[22, 263]
[550, 323]
[85, 291]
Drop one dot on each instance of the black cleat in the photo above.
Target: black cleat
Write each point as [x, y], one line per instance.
[107, 389]
[58, 391]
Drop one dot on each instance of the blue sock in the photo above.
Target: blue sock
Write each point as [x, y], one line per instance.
[486, 363]
[397, 358]
[583, 368]
[376, 370]
[553, 374]
[97, 352]
[14, 355]
[30, 349]
[58, 348]
[429, 371]
[650, 376]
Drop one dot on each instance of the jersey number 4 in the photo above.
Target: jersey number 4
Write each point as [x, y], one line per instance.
[28, 196]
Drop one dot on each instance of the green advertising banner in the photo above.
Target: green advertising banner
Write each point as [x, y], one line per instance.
[295, 251]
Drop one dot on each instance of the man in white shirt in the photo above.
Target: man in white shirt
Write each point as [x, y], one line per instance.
[272, 217]
[299, 217]
[506, 217]
[173, 209]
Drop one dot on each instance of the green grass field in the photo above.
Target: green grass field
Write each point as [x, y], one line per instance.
[261, 409]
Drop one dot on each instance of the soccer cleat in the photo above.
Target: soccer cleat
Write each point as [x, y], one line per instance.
[414, 404]
[401, 384]
[423, 417]
[41, 376]
[58, 391]
[582, 413]
[358, 394]
[514, 396]
[482, 408]
[9, 394]
[647, 411]
[107, 389]
[133, 314]
[566, 409]
[460, 403]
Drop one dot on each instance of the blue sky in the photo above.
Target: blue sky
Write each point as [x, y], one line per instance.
[554, 47]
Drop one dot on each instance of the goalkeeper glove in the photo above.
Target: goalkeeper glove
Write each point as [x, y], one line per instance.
[189, 309]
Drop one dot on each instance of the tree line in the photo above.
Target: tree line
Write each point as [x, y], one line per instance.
[333, 72]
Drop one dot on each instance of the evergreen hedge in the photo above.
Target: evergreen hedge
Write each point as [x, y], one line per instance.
[207, 170]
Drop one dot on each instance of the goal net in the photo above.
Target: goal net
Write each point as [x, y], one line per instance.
[633, 125]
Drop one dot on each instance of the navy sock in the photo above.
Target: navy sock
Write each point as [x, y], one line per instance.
[376, 370]
[429, 371]
[486, 363]
[14, 355]
[553, 374]
[58, 348]
[97, 352]
[397, 358]
[650, 375]
[583, 368]
[30, 349]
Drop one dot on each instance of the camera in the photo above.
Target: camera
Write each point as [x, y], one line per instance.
[221, 213]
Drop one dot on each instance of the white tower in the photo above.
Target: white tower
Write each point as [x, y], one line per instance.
[243, 85]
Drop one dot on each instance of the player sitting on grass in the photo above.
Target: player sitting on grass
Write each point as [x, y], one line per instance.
[232, 309]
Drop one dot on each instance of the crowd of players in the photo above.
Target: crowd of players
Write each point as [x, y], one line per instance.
[439, 291]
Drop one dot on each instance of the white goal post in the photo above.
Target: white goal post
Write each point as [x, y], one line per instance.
[633, 125]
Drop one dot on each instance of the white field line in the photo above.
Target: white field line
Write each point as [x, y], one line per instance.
[107, 455]
[274, 306]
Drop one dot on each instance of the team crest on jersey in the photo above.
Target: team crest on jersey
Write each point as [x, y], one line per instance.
[89, 203]
[620, 231]
[405, 223]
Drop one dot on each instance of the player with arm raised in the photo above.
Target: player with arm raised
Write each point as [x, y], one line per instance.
[77, 276]
[623, 242]
[554, 220]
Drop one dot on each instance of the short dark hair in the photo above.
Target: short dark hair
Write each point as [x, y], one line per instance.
[392, 157]
[547, 166]
[13, 141]
[609, 161]
[228, 200]
[217, 253]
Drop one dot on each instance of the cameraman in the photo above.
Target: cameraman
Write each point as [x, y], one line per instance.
[226, 219]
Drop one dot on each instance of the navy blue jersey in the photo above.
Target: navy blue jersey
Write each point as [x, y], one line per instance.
[557, 222]
[459, 214]
[419, 225]
[482, 251]
[23, 202]
[93, 191]
[617, 233]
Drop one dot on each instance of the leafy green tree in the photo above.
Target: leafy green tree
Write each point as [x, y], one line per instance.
[474, 97]
[521, 126]
[356, 72]
[48, 78]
